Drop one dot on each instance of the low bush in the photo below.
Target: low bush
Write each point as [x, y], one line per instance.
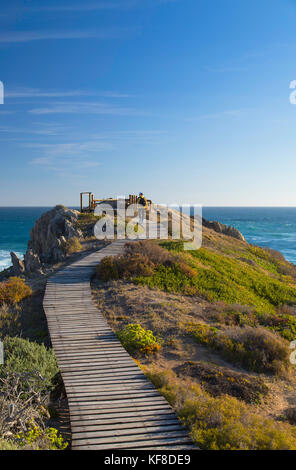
[14, 290]
[135, 338]
[107, 270]
[283, 324]
[21, 356]
[217, 381]
[27, 378]
[139, 260]
[123, 267]
[36, 438]
[72, 245]
[152, 251]
[290, 414]
[10, 324]
[222, 423]
[256, 349]
[233, 315]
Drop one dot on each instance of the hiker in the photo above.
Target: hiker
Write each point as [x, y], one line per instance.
[143, 206]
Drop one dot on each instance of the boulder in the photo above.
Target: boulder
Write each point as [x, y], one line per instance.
[48, 237]
[18, 267]
[32, 261]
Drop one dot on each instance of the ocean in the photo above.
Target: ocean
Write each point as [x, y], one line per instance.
[274, 227]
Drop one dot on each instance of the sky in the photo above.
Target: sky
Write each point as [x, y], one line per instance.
[184, 100]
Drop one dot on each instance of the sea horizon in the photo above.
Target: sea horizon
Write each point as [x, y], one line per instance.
[266, 226]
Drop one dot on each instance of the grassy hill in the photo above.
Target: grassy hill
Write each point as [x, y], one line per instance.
[211, 328]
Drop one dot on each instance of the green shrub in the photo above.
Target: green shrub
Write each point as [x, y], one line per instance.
[21, 356]
[135, 338]
[203, 334]
[222, 423]
[284, 325]
[221, 277]
[169, 278]
[36, 438]
[72, 245]
[256, 349]
[233, 315]
[14, 290]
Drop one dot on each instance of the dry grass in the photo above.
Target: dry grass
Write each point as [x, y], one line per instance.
[223, 422]
[167, 315]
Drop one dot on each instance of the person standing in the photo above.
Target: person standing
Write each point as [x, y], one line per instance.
[143, 206]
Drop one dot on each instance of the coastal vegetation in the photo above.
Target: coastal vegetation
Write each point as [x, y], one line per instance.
[27, 378]
[224, 422]
[14, 290]
[72, 245]
[255, 349]
[136, 338]
[210, 328]
[223, 316]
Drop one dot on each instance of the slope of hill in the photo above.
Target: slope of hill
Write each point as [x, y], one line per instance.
[211, 328]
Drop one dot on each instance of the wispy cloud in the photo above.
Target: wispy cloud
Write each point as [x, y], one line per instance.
[68, 157]
[219, 114]
[49, 130]
[72, 156]
[72, 148]
[144, 136]
[28, 36]
[83, 154]
[65, 167]
[40, 161]
[87, 108]
[38, 93]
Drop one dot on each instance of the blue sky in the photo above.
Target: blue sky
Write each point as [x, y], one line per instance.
[185, 100]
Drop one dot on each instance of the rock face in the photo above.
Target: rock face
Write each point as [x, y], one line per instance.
[225, 229]
[18, 267]
[48, 237]
[31, 261]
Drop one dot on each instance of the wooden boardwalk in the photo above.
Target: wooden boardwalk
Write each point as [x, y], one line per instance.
[112, 404]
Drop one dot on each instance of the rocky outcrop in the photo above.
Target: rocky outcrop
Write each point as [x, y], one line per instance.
[224, 229]
[48, 237]
[18, 267]
[31, 261]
